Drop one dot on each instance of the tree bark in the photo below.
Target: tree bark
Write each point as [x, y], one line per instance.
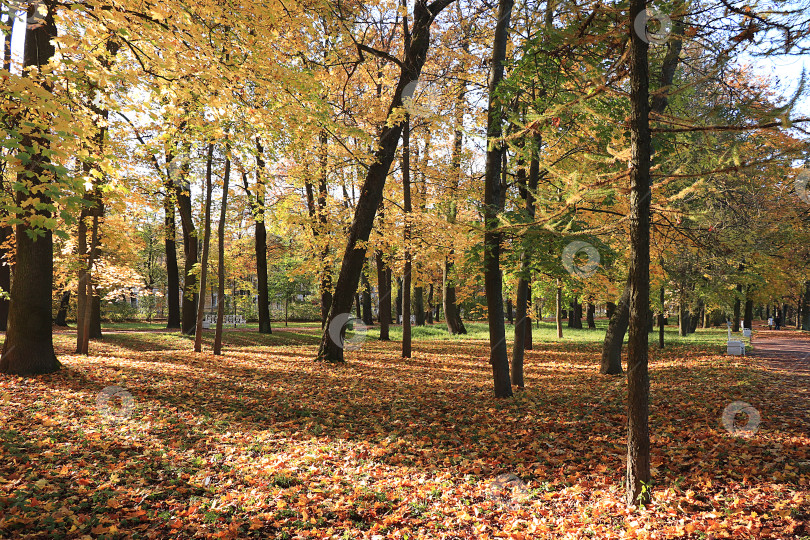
[559, 315]
[638, 382]
[64, 305]
[493, 197]
[206, 243]
[260, 242]
[417, 43]
[612, 347]
[5, 275]
[384, 293]
[406, 279]
[28, 348]
[429, 310]
[749, 313]
[661, 321]
[172, 272]
[188, 311]
[221, 254]
[806, 307]
[590, 315]
[366, 297]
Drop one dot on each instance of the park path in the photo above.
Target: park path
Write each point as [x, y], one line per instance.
[786, 354]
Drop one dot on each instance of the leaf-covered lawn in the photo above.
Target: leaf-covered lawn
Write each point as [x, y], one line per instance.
[265, 443]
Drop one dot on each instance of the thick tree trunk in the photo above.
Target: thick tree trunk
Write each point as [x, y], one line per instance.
[188, 310]
[221, 254]
[614, 337]
[591, 311]
[206, 243]
[64, 305]
[172, 273]
[28, 348]
[384, 292]
[806, 307]
[419, 306]
[493, 196]
[260, 242]
[749, 313]
[735, 324]
[638, 391]
[610, 309]
[416, 47]
[5, 275]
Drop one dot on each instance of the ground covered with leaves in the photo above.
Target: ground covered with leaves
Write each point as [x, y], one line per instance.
[265, 443]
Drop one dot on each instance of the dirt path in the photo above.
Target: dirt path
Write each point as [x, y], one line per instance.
[786, 354]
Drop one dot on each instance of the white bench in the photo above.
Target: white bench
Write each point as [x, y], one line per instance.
[735, 347]
[211, 320]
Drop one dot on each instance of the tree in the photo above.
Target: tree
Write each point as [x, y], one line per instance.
[416, 44]
[638, 381]
[221, 255]
[28, 348]
[492, 203]
[206, 242]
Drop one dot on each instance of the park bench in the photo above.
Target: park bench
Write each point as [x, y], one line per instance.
[210, 320]
[735, 347]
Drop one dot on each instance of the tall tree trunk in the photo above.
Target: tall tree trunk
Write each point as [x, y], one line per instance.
[735, 324]
[28, 348]
[452, 314]
[64, 305]
[5, 274]
[188, 310]
[590, 315]
[399, 300]
[806, 307]
[416, 46]
[384, 293]
[749, 313]
[419, 305]
[221, 254]
[406, 279]
[612, 347]
[638, 381]
[260, 241]
[429, 310]
[527, 337]
[661, 322]
[493, 196]
[559, 315]
[206, 243]
[366, 297]
[658, 104]
[172, 273]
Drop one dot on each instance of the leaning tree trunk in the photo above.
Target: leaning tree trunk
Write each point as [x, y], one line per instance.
[28, 348]
[221, 254]
[416, 46]
[638, 381]
[614, 337]
[493, 195]
[206, 243]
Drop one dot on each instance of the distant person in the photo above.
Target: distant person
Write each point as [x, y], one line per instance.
[778, 321]
[770, 323]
